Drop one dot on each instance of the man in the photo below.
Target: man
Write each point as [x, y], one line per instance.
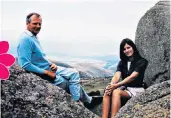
[32, 58]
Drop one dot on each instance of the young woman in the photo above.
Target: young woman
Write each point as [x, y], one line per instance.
[131, 69]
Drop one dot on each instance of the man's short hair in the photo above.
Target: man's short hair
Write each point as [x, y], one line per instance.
[28, 20]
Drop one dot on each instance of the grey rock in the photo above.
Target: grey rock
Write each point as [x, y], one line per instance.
[97, 110]
[153, 103]
[153, 42]
[25, 95]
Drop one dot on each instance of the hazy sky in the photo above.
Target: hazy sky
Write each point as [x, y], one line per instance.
[75, 27]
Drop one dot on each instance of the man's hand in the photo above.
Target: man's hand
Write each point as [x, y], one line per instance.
[50, 74]
[53, 67]
[110, 88]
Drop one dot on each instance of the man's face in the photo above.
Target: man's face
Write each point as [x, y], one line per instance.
[35, 24]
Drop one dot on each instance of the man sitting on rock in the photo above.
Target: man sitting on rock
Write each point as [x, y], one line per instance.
[32, 58]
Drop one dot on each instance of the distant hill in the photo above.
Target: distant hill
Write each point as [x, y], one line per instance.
[91, 66]
[94, 67]
[87, 70]
[106, 58]
[91, 70]
[111, 62]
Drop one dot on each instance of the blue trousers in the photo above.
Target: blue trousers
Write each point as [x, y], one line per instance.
[69, 80]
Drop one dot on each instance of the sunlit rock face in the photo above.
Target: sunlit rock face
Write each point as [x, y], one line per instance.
[25, 95]
[153, 42]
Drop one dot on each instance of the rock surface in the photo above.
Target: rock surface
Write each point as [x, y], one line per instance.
[25, 95]
[153, 42]
[153, 103]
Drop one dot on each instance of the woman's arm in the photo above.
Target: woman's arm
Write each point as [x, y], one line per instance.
[116, 77]
[114, 80]
[140, 68]
[127, 80]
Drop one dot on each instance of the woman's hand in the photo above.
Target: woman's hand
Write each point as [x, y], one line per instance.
[114, 83]
[53, 67]
[110, 88]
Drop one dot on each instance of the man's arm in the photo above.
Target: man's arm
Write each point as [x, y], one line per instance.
[24, 51]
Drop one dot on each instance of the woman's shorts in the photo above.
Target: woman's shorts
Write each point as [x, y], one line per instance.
[133, 91]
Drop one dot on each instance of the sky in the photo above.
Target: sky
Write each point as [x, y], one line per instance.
[75, 27]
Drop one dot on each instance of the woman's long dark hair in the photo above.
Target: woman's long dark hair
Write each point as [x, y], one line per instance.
[128, 41]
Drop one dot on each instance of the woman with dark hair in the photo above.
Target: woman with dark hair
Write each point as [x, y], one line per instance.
[131, 69]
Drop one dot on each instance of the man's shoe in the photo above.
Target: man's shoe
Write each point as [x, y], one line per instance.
[94, 93]
[96, 100]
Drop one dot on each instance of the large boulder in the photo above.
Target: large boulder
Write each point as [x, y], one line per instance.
[153, 42]
[153, 103]
[25, 95]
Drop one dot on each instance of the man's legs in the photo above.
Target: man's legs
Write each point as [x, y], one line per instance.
[72, 75]
[64, 85]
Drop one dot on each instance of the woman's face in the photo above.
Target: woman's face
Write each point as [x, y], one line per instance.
[128, 50]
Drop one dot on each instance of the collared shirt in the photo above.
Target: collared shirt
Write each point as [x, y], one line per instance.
[30, 54]
[138, 65]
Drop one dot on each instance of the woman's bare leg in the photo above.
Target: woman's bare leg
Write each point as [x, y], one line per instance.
[116, 100]
[105, 106]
